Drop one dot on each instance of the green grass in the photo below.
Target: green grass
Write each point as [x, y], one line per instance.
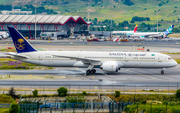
[6, 1]
[4, 110]
[155, 108]
[177, 60]
[122, 12]
[4, 65]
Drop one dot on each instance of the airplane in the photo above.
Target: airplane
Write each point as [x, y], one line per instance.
[4, 35]
[107, 61]
[123, 34]
[152, 34]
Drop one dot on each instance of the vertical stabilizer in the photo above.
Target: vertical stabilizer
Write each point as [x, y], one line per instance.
[135, 29]
[20, 43]
[169, 30]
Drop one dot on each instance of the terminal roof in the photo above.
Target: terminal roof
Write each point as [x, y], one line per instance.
[41, 19]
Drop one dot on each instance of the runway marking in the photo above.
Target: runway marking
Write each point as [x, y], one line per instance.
[140, 74]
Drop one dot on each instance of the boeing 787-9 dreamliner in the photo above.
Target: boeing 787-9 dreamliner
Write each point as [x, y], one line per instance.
[107, 61]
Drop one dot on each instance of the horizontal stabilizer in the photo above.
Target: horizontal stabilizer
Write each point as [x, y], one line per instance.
[16, 55]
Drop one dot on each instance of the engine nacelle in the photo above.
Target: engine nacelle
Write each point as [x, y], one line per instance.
[110, 66]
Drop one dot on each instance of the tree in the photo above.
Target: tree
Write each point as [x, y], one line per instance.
[62, 91]
[131, 21]
[35, 93]
[178, 93]
[14, 108]
[126, 23]
[149, 27]
[128, 2]
[84, 93]
[12, 93]
[117, 93]
[160, 4]
[147, 18]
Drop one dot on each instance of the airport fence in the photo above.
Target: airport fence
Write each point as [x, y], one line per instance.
[42, 106]
[169, 89]
[107, 104]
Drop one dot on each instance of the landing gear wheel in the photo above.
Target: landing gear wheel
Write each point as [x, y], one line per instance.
[93, 71]
[162, 72]
[88, 72]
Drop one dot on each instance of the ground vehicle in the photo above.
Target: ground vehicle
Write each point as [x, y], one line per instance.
[53, 35]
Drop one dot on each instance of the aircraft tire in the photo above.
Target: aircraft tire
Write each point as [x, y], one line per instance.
[93, 71]
[162, 72]
[88, 72]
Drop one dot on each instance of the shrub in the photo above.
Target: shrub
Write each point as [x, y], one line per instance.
[14, 108]
[178, 93]
[84, 93]
[143, 101]
[62, 91]
[117, 93]
[6, 99]
[164, 102]
[74, 99]
[35, 93]
[172, 103]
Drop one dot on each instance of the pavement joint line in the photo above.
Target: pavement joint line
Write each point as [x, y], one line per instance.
[141, 74]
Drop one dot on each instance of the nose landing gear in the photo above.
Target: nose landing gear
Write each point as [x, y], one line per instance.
[162, 72]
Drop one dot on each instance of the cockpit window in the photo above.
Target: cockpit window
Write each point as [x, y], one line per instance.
[169, 58]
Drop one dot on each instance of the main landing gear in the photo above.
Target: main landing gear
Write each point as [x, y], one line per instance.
[88, 72]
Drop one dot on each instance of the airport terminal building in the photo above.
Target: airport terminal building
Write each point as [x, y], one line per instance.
[44, 23]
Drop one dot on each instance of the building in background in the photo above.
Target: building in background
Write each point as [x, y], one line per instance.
[16, 12]
[44, 23]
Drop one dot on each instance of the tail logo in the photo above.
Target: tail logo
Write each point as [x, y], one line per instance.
[170, 29]
[20, 44]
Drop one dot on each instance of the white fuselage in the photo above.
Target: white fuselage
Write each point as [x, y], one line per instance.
[124, 59]
[147, 34]
[4, 34]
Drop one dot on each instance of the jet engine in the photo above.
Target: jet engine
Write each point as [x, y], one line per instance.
[110, 66]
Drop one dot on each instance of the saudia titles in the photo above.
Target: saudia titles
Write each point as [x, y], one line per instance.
[126, 54]
[20, 44]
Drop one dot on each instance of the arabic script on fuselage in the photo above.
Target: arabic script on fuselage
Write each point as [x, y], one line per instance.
[127, 54]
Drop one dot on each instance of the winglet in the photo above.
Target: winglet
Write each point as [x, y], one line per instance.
[20, 43]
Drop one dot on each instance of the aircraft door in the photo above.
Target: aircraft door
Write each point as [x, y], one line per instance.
[159, 59]
[126, 58]
[79, 56]
[40, 57]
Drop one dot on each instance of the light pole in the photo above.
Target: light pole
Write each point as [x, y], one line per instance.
[157, 17]
[88, 14]
[35, 20]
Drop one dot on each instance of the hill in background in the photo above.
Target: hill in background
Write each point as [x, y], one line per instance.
[117, 10]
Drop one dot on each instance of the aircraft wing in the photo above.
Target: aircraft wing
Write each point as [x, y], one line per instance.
[155, 35]
[16, 55]
[84, 60]
[146, 35]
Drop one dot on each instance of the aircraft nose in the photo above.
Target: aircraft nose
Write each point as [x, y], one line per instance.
[174, 63]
